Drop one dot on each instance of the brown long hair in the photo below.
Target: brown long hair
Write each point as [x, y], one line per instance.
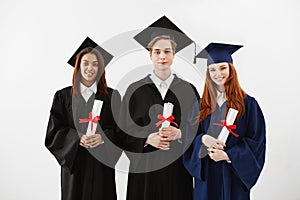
[234, 93]
[102, 85]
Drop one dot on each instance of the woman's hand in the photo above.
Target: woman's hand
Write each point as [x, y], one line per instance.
[91, 141]
[212, 142]
[218, 155]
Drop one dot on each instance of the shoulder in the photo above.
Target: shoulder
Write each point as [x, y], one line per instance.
[250, 101]
[65, 90]
[183, 82]
[63, 93]
[138, 84]
[252, 106]
[113, 92]
[185, 87]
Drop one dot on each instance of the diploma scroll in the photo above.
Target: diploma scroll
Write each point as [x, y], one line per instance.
[231, 115]
[96, 112]
[167, 112]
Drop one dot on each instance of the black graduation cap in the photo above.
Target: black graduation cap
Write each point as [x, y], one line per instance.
[88, 42]
[163, 26]
[218, 52]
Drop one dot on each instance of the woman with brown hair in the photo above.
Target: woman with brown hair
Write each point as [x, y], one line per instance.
[87, 160]
[224, 169]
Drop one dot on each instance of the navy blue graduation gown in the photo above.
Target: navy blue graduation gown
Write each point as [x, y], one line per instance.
[141, 104]
[83, 176]
[222, 180]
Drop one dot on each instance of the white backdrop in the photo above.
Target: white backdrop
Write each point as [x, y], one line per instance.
[37, 38]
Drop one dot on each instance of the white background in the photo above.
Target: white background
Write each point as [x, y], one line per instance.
[37, 38]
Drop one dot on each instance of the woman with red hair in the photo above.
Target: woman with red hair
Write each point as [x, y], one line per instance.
[87, 160]
[224, 169]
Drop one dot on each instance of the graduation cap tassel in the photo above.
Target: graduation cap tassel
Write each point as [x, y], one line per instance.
[194, 52]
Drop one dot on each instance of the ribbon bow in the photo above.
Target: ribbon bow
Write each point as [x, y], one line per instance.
[162, 119]
[90, 119]
[229, 127]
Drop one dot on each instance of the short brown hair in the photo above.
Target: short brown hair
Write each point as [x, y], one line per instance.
[161, 37]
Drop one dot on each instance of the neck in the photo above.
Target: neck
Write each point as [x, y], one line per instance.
[87, 83]
[162, 74]
[221, 88]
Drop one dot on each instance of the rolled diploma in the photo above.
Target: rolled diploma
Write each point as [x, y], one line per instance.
[95, 111]
[167, 112]
[231, 115]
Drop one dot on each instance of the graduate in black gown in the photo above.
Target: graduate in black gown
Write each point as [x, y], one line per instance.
[156, 167]
[224, 171]
[87, 161]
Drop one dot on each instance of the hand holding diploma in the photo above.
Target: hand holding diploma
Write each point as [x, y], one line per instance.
[170, 133]
[212, 143]
[91, 141]
[154, 139]
[218, 155]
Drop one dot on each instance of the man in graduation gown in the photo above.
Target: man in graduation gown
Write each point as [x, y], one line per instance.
[156, 167]
[87, 173]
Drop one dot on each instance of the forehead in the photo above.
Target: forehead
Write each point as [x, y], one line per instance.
[216, 65]
[89, 57]
[162, 44]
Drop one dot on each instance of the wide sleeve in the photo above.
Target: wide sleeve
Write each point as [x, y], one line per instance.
[114, 110]
[248, 156]
[61, 140]
[193, 144]
[132, 137]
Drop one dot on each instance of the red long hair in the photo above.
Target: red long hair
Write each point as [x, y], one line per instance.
[234, 93]
[102, 85]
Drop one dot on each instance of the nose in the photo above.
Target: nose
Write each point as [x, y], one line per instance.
[90, 67]
[162, 55]
[218, 73]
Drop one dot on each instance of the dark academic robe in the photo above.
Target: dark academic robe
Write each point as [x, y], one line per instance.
[155, 174]
[222, 180]
[83, 174]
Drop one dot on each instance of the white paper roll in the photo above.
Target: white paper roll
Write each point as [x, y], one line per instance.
[96, 112]
[231, 115]
[167, 112]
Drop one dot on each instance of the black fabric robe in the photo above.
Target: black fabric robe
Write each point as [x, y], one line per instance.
[149, 178]
[83, 176]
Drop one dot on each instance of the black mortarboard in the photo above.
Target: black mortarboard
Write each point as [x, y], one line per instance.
[218, 52]
[88, 42]
[163, 26]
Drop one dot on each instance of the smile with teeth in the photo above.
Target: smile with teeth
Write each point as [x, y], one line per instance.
[89, 73]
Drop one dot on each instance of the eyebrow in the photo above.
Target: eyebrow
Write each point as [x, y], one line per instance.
[162, 49]
[224, 65]
[89, 61]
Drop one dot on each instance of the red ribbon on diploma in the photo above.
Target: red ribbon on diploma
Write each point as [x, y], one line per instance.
[229, 127]
[90, 119]
[162, 119]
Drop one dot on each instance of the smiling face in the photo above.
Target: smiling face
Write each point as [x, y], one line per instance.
[219, 72]
[162, 54]
[88, 69]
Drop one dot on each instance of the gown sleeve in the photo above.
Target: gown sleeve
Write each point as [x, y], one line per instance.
[132, 136]
[191, 158]
[61, 140]
[248, 156]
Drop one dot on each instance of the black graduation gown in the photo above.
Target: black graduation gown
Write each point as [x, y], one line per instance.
[222, 180]
[83, 177]
[141, 104]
